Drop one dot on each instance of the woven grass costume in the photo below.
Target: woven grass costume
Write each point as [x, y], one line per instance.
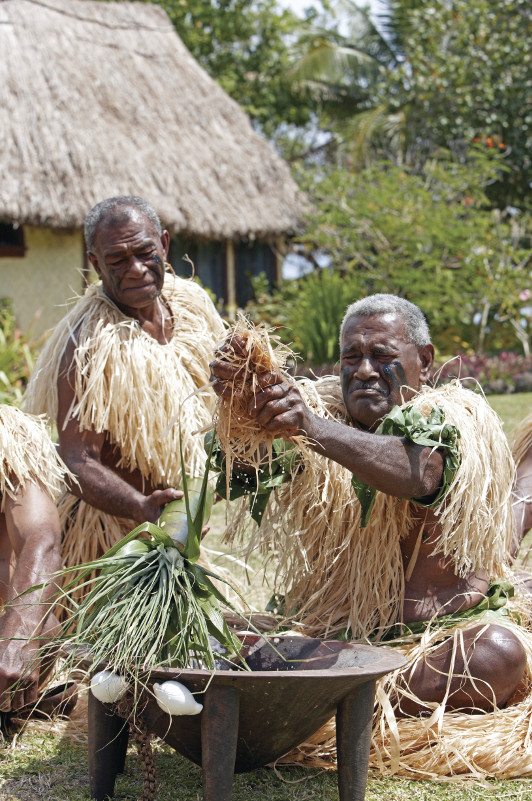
[337, 576]
[133, 388]
[27, 454]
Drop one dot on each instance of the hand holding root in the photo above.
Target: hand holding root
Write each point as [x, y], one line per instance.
[256, 395]
[234, 374]
[279, 409]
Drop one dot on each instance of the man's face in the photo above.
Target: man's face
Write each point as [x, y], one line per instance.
[379, 368]
[128, 254]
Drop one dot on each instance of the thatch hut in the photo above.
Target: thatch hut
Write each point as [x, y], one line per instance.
[100, 99]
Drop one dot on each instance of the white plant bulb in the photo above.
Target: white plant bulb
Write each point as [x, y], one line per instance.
[108, 687]
[176, 699]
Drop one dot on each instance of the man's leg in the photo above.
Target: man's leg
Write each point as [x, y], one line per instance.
[60, 699]
[487, 667]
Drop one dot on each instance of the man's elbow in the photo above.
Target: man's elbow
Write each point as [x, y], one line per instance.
[430, 478]
[80, 463]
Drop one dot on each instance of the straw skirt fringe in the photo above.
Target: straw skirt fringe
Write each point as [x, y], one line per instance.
[442, 745]
[87, 533]
[336, 575]
[27, 454]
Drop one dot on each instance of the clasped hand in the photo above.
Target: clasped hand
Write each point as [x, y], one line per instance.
[275, 404]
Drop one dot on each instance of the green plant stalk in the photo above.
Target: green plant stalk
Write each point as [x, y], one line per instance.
[174, 519]
[150, 604]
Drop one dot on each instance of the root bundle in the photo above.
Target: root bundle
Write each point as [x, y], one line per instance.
[254, 354]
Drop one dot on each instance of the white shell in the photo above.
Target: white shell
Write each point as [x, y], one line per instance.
[108, 687]
[176, 699]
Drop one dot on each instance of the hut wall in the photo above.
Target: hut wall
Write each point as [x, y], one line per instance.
[48, 276]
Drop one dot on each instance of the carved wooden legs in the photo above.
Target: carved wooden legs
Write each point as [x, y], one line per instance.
[108, 737]
[353, 739]
[219, 735]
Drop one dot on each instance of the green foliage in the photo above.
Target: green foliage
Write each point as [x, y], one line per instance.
[245, 45]
[430, 237]
[317, 313]
[444, 74]
[339, 59]
[466, 77]
[307, 313]
[16, 357]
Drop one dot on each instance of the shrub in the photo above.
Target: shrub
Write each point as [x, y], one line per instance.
[17, 356]
[504, 367]
[307, 312]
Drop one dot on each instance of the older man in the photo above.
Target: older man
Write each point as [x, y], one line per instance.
[412, 561]
[124, 375]
[31, 477]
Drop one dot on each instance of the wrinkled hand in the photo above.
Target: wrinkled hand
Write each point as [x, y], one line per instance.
[280, 409]
[153, 504]
[224, 375]
[19, 675]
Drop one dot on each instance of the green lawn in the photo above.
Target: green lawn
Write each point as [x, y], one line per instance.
[512, 408]
[53, 767]
[43, 767]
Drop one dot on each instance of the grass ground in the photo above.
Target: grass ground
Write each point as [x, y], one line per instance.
[53, 765]
[512, 408]
[43, 766]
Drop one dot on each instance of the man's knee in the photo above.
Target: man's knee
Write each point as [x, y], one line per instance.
[497, 658]
[483, 670]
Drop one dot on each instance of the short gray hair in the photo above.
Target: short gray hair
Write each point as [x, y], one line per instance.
[416, 326]
[120, 206]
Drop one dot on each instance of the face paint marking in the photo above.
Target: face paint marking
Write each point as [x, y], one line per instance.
[345, 374]
[401, 375]
[395, 374]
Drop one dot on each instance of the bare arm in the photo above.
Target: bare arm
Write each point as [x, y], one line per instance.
[523, 504]
[390, 464]
[32, 527]
[99, 485]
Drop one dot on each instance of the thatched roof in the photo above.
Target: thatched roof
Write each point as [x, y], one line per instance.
[99, 99]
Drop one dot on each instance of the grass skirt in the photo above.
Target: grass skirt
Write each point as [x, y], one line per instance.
[27, 454]
[443, 744]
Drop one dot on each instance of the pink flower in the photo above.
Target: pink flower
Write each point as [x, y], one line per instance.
[526, 294]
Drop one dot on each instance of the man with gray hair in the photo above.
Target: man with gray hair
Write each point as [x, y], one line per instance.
[396, 525]
[114, 210]
[414, 319]
[120, 377]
